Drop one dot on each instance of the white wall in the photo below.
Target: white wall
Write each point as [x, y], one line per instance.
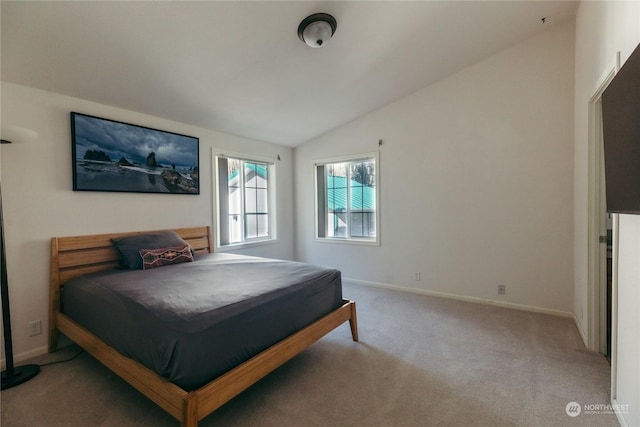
[602, 29]
[627, 380]
[39, 203]
[476, 182]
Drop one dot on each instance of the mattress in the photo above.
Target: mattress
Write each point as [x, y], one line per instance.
[194, 321]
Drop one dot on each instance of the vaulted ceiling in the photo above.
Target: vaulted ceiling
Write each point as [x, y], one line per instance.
[239, 67]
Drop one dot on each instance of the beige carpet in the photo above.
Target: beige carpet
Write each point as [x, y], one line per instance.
[421, 361]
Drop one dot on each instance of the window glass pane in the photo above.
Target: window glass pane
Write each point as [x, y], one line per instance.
[364, 172]
[262, 171]
[233, 166]
[250, 174]
[358, 196]
[235, 201]
[257, 226]
[262, 201]
[363, 224]
[234, 193]
[357, 225]
[256, 200]
[338, 170]
[256, 175]
[250, 200]
[235, 228]
[337, 226]
[337, 199]
[263, 225]
[251, 227]
[371, 223]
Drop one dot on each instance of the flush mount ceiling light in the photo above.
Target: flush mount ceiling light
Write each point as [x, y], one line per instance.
[316, 30]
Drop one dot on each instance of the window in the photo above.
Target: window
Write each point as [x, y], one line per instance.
[245, 210]
[346, 194]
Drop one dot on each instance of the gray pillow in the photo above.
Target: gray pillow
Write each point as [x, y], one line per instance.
[130, 246]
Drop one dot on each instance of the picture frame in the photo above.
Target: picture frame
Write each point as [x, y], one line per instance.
[109, 155]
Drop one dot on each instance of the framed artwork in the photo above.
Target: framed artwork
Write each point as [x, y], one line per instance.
[113, 156]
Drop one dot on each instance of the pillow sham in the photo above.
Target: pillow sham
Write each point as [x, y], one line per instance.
[130, 246]
[153, 258]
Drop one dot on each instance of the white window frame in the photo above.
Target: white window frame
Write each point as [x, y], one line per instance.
[375, 155]
[271, 200]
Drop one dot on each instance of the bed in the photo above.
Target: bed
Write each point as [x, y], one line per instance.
[91, 266]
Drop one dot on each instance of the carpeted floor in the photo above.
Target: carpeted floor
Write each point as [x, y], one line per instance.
[421, 361]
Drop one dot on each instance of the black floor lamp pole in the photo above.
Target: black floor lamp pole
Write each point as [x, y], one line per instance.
[12, 376]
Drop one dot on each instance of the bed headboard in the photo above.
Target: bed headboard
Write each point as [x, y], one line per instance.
[78, 255]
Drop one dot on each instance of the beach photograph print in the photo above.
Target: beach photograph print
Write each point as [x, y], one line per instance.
[115, 156]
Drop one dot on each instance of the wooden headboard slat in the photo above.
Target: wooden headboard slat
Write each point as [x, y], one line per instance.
[66, 275]
[90, 256]
[199, 245]
[193, 232]
[86, 242]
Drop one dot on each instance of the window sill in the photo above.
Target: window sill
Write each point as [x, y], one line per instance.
[244, 245]
[361, 242]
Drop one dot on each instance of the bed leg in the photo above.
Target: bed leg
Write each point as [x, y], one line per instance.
[189, 411]
[353, 322]
[53, 340]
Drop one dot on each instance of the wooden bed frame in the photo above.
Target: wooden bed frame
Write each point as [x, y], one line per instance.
[75, 256]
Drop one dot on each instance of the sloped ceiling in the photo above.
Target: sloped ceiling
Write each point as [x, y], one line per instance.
[239, 67]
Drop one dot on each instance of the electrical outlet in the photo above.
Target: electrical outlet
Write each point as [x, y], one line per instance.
[35, 328]
[418, 276]
[502, 289]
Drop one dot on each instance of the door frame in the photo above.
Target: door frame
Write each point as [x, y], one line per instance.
[597, 226]
[596, 298]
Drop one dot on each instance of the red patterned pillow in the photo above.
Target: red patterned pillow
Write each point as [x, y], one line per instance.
[152, 258]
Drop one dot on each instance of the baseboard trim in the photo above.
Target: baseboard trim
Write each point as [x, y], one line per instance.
[18, 358]
[581, 331]
[616, 408]
[463, 298]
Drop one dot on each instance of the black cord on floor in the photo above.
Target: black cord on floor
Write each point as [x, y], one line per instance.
[63, 360]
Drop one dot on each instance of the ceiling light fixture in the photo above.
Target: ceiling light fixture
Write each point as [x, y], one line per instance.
[316, 30]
